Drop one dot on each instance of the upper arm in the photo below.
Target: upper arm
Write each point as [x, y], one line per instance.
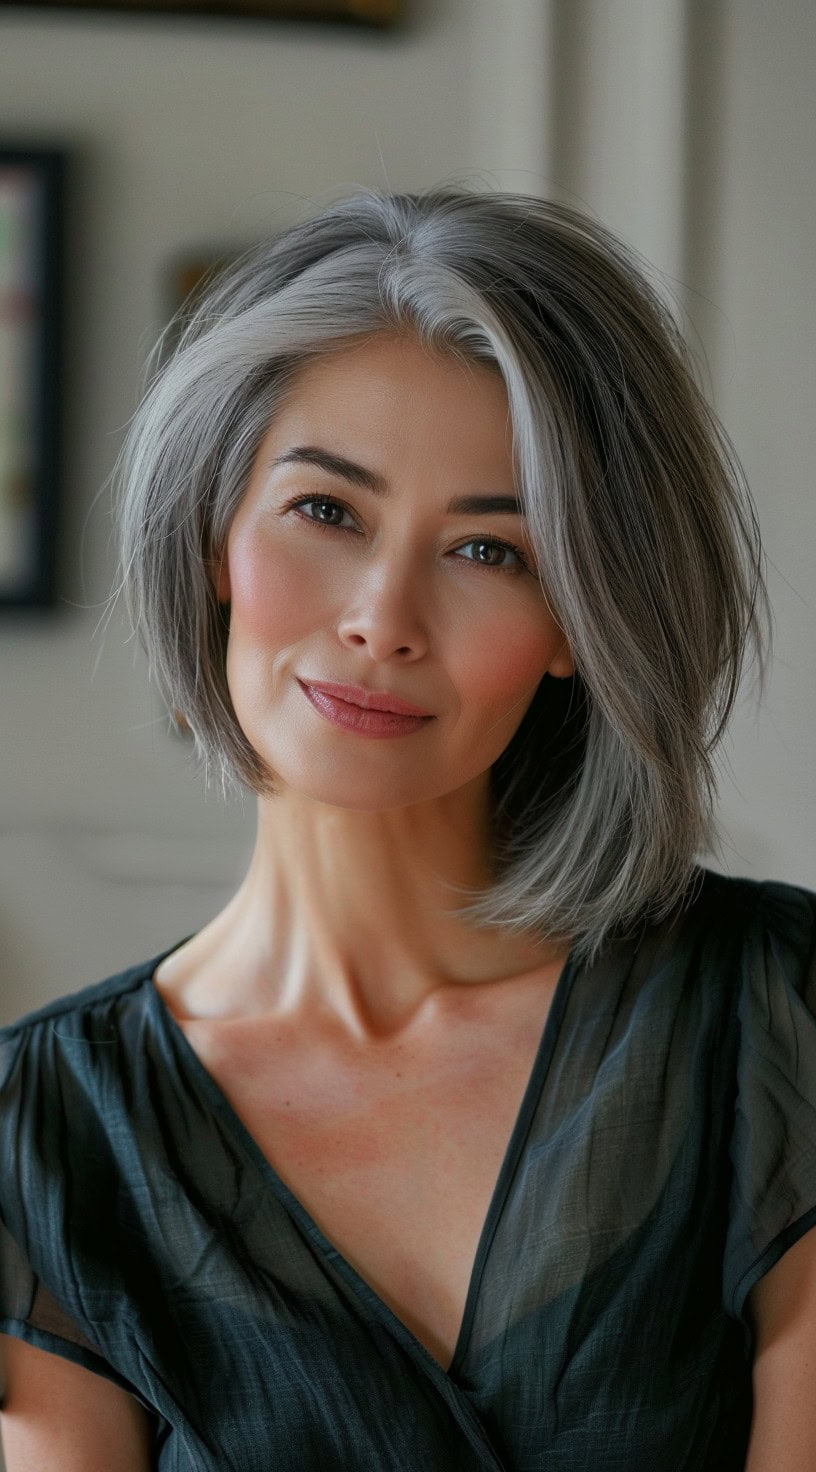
[783, 1310]
[58, 1414]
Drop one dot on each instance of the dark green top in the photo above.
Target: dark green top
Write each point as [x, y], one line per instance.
[663, 1159]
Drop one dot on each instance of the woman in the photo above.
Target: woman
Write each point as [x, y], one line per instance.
[477, 1130]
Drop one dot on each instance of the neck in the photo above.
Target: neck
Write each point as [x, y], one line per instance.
[350, 917]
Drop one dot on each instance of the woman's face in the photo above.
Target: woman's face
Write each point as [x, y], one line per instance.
[393, 590]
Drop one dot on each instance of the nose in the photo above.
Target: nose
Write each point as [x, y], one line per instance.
[386, 615]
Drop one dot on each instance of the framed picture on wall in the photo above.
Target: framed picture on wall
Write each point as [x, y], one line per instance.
[378, 13]
[31, 224]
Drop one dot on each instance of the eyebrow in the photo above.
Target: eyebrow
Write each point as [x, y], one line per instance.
[371, 480]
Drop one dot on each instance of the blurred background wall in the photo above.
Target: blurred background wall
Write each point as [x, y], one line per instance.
[687, 127]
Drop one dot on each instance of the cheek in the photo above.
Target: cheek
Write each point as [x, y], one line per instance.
[270, 593]
[505, 659]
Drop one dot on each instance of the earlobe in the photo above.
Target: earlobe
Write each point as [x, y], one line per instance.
[563, 665]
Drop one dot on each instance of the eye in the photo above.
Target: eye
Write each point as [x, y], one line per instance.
[321, 501]
[495, 543]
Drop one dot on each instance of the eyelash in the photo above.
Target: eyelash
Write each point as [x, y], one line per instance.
[488, 541]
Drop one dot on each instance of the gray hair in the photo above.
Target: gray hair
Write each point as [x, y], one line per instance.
[646, 539]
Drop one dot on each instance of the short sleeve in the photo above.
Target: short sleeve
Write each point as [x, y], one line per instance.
[28, 1311]
[31, 1216]
[773, 1141]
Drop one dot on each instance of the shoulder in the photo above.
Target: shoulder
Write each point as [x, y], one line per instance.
[47, 1056]
[755, 942]
[742, 892]
[88, 999]
[778, 974]
[74, 1084]
[786, 916]
[754, 921]
[714, 981]
[92, 1002]
[80, 1035]
[773, 1139]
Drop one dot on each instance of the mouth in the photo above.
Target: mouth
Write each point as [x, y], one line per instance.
[364, 722]
[373, 700]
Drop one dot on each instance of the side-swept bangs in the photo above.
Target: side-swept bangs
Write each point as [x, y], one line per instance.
[645, 534]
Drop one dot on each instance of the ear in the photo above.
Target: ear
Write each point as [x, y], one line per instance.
[563, 664]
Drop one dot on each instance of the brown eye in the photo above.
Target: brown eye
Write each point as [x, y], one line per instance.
[325, 504]
[495, 545]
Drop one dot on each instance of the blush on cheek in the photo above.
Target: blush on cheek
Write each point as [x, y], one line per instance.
[512, 661]
[267, 594]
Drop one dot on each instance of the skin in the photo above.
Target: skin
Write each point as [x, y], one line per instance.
[352, 858]
[353, 855]
[383, 1014]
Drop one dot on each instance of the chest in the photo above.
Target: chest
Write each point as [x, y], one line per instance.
[397, 1160]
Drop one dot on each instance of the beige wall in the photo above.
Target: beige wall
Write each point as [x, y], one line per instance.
[693, 135]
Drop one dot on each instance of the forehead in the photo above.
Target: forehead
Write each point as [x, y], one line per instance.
[375, 359]
[392, 386]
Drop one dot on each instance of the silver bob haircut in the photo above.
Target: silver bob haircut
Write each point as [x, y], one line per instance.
[647, 542]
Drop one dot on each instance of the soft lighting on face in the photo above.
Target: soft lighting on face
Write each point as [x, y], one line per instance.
[381, 543]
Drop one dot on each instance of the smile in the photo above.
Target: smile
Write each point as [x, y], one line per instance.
[376, 723]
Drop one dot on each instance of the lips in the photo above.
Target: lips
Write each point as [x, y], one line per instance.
[367, 699]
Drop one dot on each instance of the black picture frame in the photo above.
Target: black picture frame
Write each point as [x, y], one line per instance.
[32, 187]
[380, 14]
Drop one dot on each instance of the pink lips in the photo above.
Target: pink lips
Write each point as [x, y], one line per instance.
[368, 699]
[356, 718]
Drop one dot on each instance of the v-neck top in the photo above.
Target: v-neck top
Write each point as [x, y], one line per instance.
[662, 1160]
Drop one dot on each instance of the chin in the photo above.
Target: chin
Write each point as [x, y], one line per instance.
[338, 786]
